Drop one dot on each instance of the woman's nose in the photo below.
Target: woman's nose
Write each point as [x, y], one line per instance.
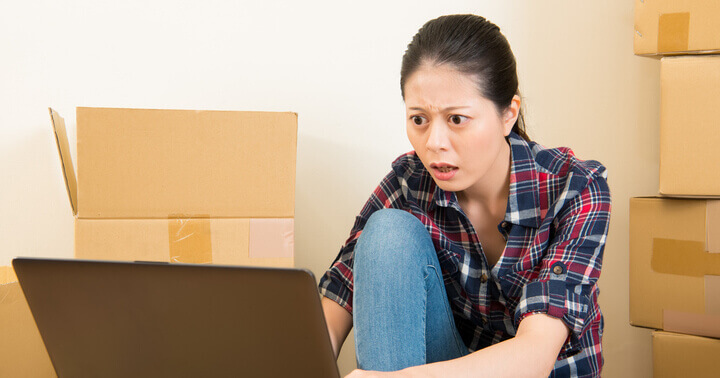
[437, 137]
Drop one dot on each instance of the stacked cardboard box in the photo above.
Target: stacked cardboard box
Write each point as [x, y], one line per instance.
[182, 185]
[677, 355]
[675, 264]
[669, 27]
[675, 237]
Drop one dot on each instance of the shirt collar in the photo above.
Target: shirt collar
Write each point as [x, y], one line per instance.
[443, 198]
[523, 206]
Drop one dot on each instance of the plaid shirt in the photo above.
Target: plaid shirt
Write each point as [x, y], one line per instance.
[555, 225]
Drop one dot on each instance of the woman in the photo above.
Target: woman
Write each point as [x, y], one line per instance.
[479, 253]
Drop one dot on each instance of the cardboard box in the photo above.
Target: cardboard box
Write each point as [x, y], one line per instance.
[675, 265]
[229, 241]
[671, 27]
[22, 352]
[182, 185]
[140, 163]
[676, 355]
[689, 126]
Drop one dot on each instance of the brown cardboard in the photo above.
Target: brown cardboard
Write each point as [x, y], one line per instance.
[676, 355]
[221, 241]
[190, 241]
[181, 185]
[712, 300]
[22, 352]
[668, 258]
[689, 135]
[691, 324]
[671, 27]
[143, 163]
[695, 260]
[65, 159]
[713, 224]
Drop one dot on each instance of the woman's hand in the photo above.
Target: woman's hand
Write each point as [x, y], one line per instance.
[357, 373]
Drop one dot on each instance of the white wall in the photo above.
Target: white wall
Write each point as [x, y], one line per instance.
[335, 63]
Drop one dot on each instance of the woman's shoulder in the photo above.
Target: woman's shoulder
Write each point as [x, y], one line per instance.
[562, 162]
[557, 173]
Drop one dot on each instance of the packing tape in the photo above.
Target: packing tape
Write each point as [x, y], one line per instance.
[271, 237]
[683, 257]
[691, 323]
[673, 32]
[190, 240]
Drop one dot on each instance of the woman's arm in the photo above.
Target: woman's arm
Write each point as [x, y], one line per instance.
[339, 322]
[531, 353]
[336, 285]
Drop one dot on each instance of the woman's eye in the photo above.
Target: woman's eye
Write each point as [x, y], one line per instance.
[457, 119]
[417, 120]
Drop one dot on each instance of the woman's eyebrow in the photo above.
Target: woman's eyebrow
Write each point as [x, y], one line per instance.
[449, 108]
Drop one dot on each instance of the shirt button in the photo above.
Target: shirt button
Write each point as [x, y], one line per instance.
[483, 278]
[558, 269]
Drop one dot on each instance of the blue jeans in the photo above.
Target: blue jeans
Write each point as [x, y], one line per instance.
[401, 313]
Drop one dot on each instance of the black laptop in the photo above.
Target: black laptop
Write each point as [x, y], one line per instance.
[125, 319]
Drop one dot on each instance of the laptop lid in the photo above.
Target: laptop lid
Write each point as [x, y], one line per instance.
[124, 319]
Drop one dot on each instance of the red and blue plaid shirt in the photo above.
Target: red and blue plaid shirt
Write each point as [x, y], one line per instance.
[555, 225]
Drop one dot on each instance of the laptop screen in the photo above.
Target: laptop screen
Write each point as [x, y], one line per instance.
[121, 319]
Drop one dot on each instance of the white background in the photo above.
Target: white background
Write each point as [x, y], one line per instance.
[335, 63]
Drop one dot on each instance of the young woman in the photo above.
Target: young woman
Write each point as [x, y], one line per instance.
[479, 253]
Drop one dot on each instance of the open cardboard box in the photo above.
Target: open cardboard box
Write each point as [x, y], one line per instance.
[22, 352]
[676, 355]
[182, 185]
[689, 128]
[671, 27]
[675, 265]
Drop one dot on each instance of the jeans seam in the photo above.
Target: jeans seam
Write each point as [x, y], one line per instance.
[448, 311]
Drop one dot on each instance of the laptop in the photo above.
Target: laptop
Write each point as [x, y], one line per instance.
[143, 319]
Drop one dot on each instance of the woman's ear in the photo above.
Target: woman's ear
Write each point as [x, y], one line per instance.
[511, 114]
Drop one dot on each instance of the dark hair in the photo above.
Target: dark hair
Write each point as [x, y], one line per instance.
[472, 45]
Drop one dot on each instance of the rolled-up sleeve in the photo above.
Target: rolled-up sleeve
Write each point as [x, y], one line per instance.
[566, 287]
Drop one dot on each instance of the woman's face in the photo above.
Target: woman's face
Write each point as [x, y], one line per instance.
[457, 133]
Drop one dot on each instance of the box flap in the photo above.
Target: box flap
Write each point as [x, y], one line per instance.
[66, 161]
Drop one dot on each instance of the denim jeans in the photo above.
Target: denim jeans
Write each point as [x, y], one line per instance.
[401, 313]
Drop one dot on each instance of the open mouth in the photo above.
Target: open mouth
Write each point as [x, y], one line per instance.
[443, 167]
[443, 171]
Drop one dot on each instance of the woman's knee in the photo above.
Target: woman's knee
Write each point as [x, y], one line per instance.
[393, 236]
